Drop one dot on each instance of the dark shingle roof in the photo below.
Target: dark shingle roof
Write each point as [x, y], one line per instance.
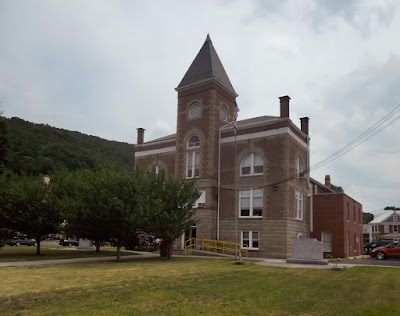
[206, 65]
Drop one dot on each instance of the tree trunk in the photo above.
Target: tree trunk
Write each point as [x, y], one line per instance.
[163, 248]
[118, 252]
[97, 244]
[169, 249]
[38, 246]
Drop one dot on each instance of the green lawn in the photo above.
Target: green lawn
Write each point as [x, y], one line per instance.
[196, 286]
[23, 253]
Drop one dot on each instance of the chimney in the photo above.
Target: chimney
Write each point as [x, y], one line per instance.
[328, 181]
[284, 106]
[140, 135]
[304, 125]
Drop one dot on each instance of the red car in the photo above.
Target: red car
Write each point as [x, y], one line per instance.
[391, 250]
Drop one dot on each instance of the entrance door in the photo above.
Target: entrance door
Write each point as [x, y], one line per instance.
[189, 235]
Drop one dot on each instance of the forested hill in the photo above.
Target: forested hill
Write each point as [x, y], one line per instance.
[42, 149]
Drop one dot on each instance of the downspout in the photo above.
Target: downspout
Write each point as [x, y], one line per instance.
[310, 194]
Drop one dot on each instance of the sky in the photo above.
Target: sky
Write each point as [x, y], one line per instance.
[105, 68]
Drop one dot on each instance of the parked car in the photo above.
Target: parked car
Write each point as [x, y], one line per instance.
[375, 244]
[22, 240]
[391, 250]
[69, 242]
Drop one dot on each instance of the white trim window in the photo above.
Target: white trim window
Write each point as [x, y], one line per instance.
[193, 165]
[395, 218]
[299, 205]
[251, 203]
[252, 164]
[193, 158]
[299, 168]
[395, 228]
[250, 240]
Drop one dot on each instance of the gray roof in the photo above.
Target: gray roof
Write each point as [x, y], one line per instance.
[206, 65]
[164, 138]
[381, 217]
[253, 120]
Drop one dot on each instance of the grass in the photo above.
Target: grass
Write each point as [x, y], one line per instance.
[23, 253]
[196, 286]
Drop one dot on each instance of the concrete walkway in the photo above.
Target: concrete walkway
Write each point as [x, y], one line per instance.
[144, 255]
[138, 255]
[283, 264]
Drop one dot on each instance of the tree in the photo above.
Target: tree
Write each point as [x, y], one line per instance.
[391, 208]
[337, 189]
[29, 206]
[169, 210]
[367, 217]
[3, 142]
[101, 204]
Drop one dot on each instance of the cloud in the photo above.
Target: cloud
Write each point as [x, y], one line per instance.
[106, 68]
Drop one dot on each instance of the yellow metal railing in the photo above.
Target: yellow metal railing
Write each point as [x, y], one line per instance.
[217, 246]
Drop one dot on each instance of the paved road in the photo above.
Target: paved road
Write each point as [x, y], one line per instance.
[390, 262]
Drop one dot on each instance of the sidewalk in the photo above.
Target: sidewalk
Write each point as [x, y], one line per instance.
[143, 255]
[138, 255]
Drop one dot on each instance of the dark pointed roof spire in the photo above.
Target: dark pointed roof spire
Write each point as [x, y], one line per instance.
[206, 66]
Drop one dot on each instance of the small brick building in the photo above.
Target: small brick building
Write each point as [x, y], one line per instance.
[337, 221]
[251, 172]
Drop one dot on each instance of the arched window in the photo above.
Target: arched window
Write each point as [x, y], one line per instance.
[193, 158]
[252, 164]
[157, 169]
[299, 168]
[193, 142]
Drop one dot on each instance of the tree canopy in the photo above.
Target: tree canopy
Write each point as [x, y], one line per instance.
[3, 142]
[391, 208]
[120, 204]
[28, 205]
[101, 204]
[170, 211]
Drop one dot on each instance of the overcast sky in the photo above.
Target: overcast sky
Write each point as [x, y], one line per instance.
[105, 68]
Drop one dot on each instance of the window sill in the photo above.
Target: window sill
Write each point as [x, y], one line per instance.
[251, 175]
[252, 217]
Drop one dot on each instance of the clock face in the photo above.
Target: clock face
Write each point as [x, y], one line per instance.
[223, 113]
[195, 110]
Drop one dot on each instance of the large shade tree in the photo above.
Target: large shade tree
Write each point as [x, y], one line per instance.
[3, 142]
[28, 205]
[169, 210]
[101, 204]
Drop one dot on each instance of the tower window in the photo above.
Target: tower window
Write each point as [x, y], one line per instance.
[193, 165]
[223, 113]
[193, 158]
[195, 110]
[194, 142]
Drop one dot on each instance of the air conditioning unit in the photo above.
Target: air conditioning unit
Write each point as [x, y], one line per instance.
[201, 205]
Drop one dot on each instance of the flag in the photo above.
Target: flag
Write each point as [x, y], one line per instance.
[235, 117]
[236, 111]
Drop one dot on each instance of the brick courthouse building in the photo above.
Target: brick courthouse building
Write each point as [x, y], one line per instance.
[251, 176]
